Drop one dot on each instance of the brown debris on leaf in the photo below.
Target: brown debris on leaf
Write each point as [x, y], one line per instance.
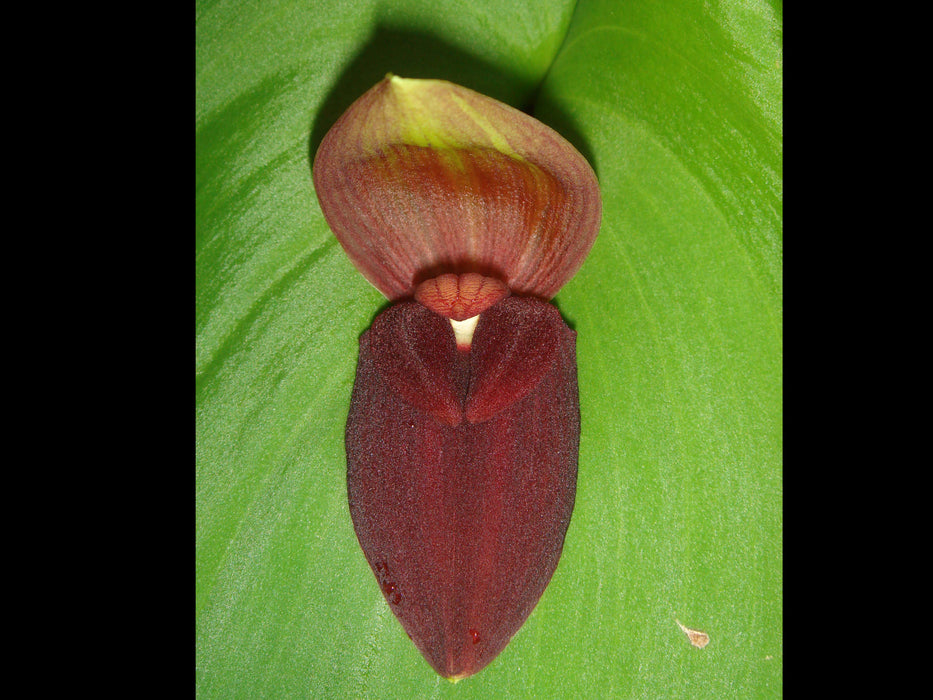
[697, 638]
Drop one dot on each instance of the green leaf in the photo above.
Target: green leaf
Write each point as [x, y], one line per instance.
[678, 310]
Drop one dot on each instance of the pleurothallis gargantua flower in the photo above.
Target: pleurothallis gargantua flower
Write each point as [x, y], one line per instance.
[464, 424]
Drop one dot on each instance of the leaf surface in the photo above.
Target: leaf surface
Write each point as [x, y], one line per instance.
[678, 314]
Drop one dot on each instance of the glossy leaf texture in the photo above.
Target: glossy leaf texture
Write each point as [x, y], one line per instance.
[677, 309]
[462, 471]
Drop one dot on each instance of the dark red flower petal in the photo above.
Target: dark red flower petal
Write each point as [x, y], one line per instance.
[514, 344]
[463, 525]
[414, 351]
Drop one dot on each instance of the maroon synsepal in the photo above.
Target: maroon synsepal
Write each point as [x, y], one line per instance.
[463, 522]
